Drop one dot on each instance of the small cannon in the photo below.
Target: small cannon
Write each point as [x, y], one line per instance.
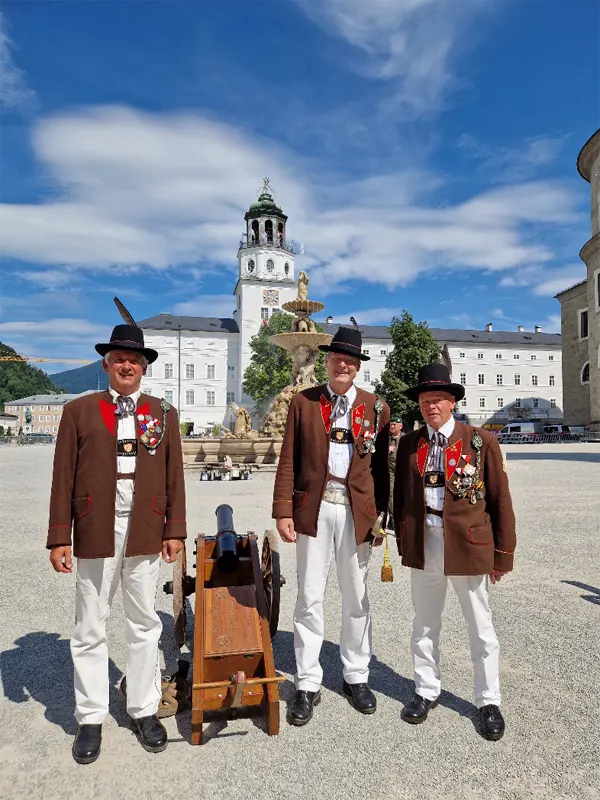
[236, 616]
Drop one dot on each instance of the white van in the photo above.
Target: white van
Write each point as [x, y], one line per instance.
[520, 432]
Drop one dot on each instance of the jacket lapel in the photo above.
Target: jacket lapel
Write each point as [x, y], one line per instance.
[326, 408]
[107, 411]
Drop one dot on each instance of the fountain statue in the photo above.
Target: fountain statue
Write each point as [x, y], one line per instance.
[243, 425]
[302, 343]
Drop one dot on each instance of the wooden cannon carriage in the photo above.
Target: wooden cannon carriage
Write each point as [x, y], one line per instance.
[236, 615]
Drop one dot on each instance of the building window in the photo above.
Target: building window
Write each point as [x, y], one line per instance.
[517, 380]
[517, 402]
[481, 378]
[500, 402]
[264, 314]
[551, 381]
[54, 428]
[498, 356]
[168, 370]
[366, 352]
[367, 375]
[533, 357]
[534, 380]
[231, 370]
[499, 380]
[169, 343]
[482, 402]
[148, 391]
[210, 372]
[583, 324]
[461, 355]
[230, 397]
[550, 358]
[516, 356]
[189, 371]
[383, 352]
[536, 402]
[149, 371]
[250, 266]
[480, 355]
[189, 397]
[270, 265]
[463, 402]
[585, 372]
[552, 402]
[169, 395]
[286, 268]
[463, 378]
[210, 398]
[48, 417]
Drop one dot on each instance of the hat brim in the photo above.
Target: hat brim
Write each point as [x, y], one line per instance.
[347, 350]
[455, 389]
[105, 347]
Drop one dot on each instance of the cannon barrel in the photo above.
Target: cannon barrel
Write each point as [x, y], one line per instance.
[227, 555]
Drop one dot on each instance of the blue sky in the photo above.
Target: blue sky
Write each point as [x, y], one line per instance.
[424, 151]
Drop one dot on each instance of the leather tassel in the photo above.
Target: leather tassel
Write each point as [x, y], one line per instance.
[387, 573]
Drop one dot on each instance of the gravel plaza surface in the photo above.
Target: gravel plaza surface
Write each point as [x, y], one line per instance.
[547, 616]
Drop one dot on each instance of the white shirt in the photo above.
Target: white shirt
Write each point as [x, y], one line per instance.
[434, 496]
[340, 455]
[125, 430]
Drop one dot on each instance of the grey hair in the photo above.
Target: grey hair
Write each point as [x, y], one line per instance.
[107, 358]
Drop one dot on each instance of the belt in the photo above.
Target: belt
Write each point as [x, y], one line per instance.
[334, 496]
[434, 511]
[125, 476]
[342, 481]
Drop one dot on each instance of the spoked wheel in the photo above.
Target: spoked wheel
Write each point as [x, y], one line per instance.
[271, 575]
[179, 610]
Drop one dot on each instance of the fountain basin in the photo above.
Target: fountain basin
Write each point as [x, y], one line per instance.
[290, 341]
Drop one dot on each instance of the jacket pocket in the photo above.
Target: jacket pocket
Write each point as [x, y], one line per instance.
[159, 504]
[80, 506]
[371, 508]
[482, 534]
[299, 498]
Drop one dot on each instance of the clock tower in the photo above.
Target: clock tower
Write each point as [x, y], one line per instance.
[266, 277]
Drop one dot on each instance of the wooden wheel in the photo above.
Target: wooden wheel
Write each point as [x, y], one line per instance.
[179, 609]
[271, 575]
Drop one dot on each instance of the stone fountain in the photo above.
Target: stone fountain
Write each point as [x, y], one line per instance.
[302, 343]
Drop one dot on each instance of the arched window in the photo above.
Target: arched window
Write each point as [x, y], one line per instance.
[585, 372]
[270, 265]
[255, 239]
[286, 268]
[269, 231]
[280, 237]
[251, 265]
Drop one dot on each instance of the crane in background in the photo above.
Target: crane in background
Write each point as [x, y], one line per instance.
[36, 358]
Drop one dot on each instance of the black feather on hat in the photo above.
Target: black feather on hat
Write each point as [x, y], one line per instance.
[127, 337]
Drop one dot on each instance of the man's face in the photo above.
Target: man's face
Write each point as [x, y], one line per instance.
[436, 408]
[125, 369]
[341, 370]
[395, 428]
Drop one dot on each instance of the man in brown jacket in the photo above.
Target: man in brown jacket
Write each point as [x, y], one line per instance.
[332, 480]
[454, 522]
[118, 484]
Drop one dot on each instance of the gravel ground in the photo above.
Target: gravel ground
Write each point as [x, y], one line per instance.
[547, 615]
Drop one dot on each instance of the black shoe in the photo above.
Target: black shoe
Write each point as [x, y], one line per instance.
[301, 710]
[86, 747]
[417, 710]
[151, 733]
[492, 723]
[361, 697]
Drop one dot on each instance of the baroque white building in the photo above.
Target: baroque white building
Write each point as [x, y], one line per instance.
[202, 360]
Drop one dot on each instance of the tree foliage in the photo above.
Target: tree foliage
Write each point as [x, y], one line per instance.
[270, 367]
[19, 379]
[414, 346]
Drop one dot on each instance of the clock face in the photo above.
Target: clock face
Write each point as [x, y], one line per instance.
[271, 297]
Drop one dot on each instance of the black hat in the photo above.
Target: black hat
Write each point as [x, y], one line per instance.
[435, 377]
[347, 341]
[126, 337]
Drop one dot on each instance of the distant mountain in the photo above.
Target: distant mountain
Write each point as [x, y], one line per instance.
[19, 379]
[74, 381]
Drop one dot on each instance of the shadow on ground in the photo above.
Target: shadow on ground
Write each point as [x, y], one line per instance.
[594, 597]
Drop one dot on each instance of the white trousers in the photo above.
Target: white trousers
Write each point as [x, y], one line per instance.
[97, 581]
[335, 534]
[428, 589]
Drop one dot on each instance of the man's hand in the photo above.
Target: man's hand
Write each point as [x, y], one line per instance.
[170, 548]
[496, 574]
[285, 528]
[61, 559]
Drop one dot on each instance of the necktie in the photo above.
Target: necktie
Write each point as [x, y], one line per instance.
[125, 406]
[341, 406]
[438, 443]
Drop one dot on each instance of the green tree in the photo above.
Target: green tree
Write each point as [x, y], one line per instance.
[19, 379]
[9, 431]
[270, 367]
[1, 430]
[21, 431]
[414, 346]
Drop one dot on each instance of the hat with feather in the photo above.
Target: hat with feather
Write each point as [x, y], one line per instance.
[127, 337]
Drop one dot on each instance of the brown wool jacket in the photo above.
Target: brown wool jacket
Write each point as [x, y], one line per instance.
[84, 481]
[303, 463]
[477, 538]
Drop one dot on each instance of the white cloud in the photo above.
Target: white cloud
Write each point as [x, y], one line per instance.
[509, 164]
[559, 280]
[158, 191]
[207, 305]
[14, 92]
[408, 43]
[52, 329]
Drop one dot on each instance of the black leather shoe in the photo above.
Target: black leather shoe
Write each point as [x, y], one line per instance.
[361, 697]
[492, 723]
[301, 710]
[86, 747]
[417, 710]
[151, 733]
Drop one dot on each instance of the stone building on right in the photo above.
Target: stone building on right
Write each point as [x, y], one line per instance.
[580, 313]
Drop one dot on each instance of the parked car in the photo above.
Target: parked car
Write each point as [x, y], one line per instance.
[520, 432]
